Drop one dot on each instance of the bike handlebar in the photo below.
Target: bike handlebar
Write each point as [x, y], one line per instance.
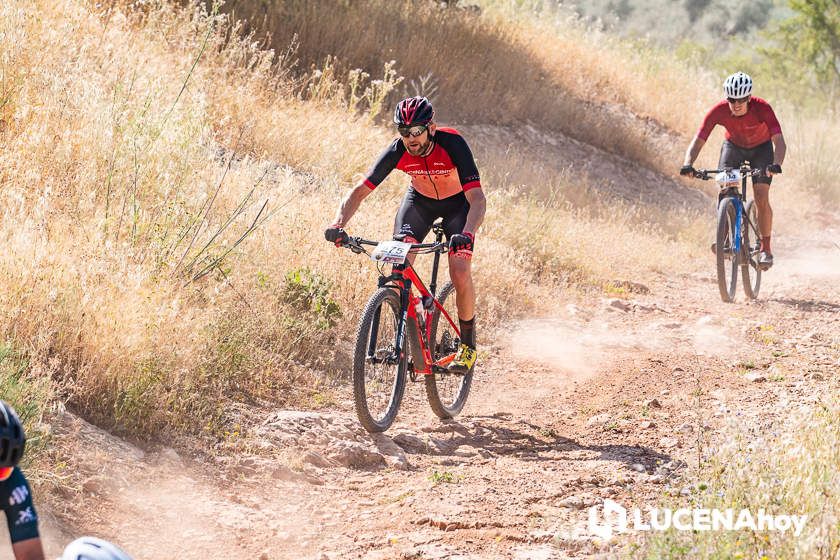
[706, 174]
[355, 245]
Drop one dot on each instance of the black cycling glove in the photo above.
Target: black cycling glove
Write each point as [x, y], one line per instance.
[462, 243]
[687, 170]
[335, 234]
[774, 168]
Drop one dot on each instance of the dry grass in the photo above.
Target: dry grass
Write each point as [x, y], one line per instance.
[164, 187]
[628, 98]
[506, 66]
[795, 472]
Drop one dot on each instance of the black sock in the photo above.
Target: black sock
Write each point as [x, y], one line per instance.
[467, 332]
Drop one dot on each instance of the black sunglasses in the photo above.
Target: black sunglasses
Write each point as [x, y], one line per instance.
[415, 130]
[739, 100]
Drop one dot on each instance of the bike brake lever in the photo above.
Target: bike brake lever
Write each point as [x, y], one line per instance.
[354, 245]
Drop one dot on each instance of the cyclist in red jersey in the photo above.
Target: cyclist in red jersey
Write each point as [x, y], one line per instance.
[753, 134]
[444, 184]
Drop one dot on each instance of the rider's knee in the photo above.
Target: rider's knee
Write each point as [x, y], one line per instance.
[460, 274]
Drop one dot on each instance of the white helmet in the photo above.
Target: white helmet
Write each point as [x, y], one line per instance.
[91, 548]
[737, 85]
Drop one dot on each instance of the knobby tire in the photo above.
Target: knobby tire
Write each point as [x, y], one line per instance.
[446, 404]
[750, 271]
[727, 216]
[384, 304]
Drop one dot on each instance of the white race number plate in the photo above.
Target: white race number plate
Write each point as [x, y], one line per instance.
[728, 179]
[392, 252]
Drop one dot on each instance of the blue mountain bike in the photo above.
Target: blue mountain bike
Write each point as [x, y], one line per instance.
[738, 240]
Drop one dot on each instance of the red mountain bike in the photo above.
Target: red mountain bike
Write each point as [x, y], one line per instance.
[381, 359]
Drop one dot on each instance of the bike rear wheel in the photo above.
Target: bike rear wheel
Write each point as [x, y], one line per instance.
[447, 392]
[727, 258]
[750, 248]
[378, 372]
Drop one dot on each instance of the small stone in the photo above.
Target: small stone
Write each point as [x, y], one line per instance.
[755, 377]
[817, 376]
[646, 425]
[410, 443]
[620, 304]
[638, 467]
[356, 455]
[668, 442]
[578, 502]
[685, 427]
[318, 460]
[442, 447]
[598, 419]
[652, 403]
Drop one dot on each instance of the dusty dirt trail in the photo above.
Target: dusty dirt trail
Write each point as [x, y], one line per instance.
[608, 398]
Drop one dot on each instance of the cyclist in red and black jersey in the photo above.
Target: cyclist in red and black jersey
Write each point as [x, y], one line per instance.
[444, 184]
[753, 134]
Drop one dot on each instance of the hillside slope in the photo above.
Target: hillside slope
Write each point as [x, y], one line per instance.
[165, 181]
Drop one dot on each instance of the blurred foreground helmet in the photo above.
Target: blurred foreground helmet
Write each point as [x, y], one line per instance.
[737, 85]
[91, 548]
[12, 438]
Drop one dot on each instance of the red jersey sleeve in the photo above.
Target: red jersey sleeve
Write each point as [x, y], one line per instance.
[713, 118]
[769, 117]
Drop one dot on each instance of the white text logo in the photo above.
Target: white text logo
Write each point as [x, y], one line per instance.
[616, 520]
[25, 516]
[18, 495]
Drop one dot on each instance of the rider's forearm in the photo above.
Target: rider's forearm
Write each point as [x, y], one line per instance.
[475, 216]
[693, 150]
[29, 549]
[779, 148]
[350, 204]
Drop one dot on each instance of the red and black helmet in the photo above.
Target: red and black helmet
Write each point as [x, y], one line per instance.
[413, 110]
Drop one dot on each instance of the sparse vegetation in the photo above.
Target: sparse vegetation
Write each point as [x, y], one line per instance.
[792, 471]
[443, 477]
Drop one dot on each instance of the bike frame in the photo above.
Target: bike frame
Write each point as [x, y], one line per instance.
[746, 171]
[403, 278]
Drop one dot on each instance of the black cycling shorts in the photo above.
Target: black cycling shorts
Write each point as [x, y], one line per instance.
[760, 157]
[417, 214]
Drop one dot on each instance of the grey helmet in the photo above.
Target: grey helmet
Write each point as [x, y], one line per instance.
[91, 548]
[738, 85]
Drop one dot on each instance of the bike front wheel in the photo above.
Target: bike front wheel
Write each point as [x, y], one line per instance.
[378, 370]
[447, 392]
[750, 248]
[727, 257]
